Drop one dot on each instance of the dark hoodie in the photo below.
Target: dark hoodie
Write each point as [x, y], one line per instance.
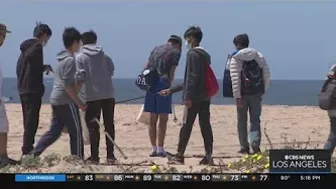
[98, 68]
[194, 75]
[30, 68]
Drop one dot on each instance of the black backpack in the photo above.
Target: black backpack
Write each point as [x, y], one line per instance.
[147, 78]
[327, 97]
[252, 80]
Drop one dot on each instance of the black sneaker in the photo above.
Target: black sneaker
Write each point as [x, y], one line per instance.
[111, 161]
[3, 164]
[169, 155]
[92, 160]
[13, 162]
[256, 150]
[176, 160]
[207, 160]
[24, 156]
[244, 151]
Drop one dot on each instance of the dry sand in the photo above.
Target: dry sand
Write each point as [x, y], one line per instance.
[284, 124]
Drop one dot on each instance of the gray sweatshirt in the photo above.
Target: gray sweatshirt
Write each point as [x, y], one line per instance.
[65, 76]
[98, 69]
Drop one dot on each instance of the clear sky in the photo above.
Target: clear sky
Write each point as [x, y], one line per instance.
[297, 38]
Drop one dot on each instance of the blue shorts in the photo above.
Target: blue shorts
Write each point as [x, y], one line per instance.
[157, 104]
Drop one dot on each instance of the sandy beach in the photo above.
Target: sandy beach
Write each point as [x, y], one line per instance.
[284, 125]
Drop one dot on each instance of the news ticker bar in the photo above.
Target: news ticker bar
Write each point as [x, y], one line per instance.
[172, 177]
[138, 177]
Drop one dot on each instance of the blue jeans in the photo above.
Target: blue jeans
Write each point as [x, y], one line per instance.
[331, 142]
[157, 104]
[252, 104]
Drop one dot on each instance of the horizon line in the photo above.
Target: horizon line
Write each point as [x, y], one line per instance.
[277, 79]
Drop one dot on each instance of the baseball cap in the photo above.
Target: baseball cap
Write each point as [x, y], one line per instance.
[3, 28]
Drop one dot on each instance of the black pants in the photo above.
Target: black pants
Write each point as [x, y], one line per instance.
[31, 105]
[94, 109]
[202, 109]
[63, 116]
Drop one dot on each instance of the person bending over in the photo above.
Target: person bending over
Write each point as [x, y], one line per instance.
[165, 59]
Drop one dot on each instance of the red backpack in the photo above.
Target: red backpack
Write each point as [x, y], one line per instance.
[211, 83]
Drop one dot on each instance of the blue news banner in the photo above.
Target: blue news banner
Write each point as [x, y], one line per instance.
[285, 165]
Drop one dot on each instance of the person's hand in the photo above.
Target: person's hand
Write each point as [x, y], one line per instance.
[239, 102]
[82, 107]
[187, 103]
[165, 92]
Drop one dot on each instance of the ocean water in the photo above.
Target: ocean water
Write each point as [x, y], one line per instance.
[281, 92]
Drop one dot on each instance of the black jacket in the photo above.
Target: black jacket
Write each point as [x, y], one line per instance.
[30, 68]
[194, 75]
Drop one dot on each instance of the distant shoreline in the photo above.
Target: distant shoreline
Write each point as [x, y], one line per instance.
[120, 78]
[280, 92]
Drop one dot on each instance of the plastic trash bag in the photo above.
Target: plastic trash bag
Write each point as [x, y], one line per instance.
[143, 117]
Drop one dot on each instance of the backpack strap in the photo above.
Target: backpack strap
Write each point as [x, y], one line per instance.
[229, 58]
[227, 61]
[326, 82]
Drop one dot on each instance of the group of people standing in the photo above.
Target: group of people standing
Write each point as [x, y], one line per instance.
[249, 79]
[82, 82]
[83, 85]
